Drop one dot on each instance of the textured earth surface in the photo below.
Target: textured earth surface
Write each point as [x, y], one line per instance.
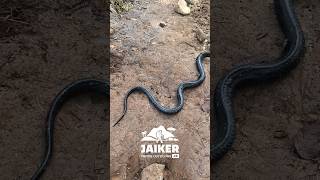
[277, 123]
[44, 45]
[143, 53]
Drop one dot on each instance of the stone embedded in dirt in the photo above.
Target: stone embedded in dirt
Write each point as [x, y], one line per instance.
[307, 141]
[182, 8]
[200, 35]
[153, 172]
[205, 107]
[162, 24]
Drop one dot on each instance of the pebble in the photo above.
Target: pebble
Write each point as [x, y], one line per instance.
[200, 35]
[162, 24]
[153, 172]
[182, 8]
[112, 31]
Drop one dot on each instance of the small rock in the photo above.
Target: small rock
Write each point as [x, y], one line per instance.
[162, 24]
[205, 107]
[182, 8]
[112, 31]
[134, 49]
[153, 172]
[190, 2]
[200, 35]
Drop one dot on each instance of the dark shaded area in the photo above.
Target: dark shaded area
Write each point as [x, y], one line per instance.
[45, 45]
[270, 117]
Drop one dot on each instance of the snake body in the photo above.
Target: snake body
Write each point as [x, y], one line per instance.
[102, 87]
[180, 91]
[224, 123]
[84, 85]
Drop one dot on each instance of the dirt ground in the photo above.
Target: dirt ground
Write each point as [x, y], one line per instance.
[47, 44]
[143, 53]
[272, 119]
[44, 45]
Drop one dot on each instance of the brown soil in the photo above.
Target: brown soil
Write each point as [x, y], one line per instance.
[143, 53]
[271, 118]
[44, 45]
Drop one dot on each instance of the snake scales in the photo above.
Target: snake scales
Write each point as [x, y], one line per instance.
[224, 124]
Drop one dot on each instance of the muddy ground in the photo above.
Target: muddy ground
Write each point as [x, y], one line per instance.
[159, 58]
[270, 116]
[44, 45]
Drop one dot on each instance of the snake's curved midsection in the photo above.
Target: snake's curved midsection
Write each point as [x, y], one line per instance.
[180, 90]
[90, 85]
[224, 124]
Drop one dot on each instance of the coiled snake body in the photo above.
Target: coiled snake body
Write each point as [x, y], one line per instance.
[180, 96]
[224, 124]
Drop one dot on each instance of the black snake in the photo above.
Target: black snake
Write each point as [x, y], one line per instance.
[224, 124]
[180, 96]
[102, 87]
[84, 85]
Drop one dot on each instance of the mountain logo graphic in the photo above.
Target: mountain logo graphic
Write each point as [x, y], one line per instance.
[159, 134]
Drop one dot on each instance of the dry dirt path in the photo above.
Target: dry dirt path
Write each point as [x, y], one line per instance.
[143, 53]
